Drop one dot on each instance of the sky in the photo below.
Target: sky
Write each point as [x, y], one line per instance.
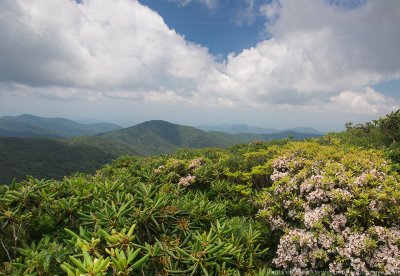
[267, 63]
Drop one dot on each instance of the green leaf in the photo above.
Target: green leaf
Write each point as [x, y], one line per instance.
[139, 263]
[78, 264]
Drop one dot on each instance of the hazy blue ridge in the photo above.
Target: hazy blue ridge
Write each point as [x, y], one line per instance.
[243, 128]
[237, 128]
[54, 158]
[31, 126]
[285, 134]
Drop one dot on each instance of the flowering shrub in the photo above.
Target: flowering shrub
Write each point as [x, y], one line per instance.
[196, 164]
[186, 181]
[200, 212]
[339, 210]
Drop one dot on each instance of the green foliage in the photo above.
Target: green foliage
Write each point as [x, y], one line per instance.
[252, 209]
[382, 134]
[390, 125]
[55, 158]
[134, 215]
[326, 200]
[160, 137]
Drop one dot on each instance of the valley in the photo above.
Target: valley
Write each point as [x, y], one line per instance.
[56, 147]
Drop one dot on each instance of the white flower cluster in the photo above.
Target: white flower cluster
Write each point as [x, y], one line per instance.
[312, 216]
[317, 196]
[159, 169]
[278, 223]
[186, 181]
[196, 163]
[288, 250]
[338, 222]
[387, 253]
[277, 175]
[316, 200]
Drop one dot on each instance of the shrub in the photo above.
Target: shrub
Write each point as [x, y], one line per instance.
[337, 209]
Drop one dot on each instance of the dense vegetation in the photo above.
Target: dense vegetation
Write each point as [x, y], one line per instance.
[383, 134]
[51, 158]
[55, 158]
[319, 205]
[157, 137]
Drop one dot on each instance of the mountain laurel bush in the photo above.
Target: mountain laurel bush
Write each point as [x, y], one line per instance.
[301, 207]
[337, 209]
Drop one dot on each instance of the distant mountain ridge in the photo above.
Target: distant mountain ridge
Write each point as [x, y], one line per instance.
[243, 128]
[31, 126]
[54, 158]
[157, 136]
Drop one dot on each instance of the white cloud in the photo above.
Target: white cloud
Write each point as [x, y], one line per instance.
[248, 14]
[320, 57]
[271, 11]
[367, 102]
[95, 45]
[317, 50]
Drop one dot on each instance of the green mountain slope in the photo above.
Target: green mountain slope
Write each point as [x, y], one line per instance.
[252, 209]
[30, 126]
[54, 158]
[156, 137]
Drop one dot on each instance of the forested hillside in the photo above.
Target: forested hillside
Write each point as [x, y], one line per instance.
[30, 126]
[329, 204]
[157, 137]
[55, 158]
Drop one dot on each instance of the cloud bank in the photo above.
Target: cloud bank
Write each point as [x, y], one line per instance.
[321, 56]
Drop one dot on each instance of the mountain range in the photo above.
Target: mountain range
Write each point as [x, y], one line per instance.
[30, 126]
[54, 147]
[242, 128]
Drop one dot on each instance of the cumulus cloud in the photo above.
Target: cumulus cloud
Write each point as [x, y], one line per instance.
[271, 11]
[317, 51]
[95, 45]
[366, 102]
[321, 55]
[350, 46]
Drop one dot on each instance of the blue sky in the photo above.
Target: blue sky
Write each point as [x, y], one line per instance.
[223, 29]
[269, 63]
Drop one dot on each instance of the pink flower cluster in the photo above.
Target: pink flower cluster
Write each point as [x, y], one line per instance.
[186, 181]
[317, 196]
[196, 163]
[278, 223]
[290, 245]
[387, 253]
[304, 252]
[277, 175]
[313, 199]
[312, 216]
[159, 169]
